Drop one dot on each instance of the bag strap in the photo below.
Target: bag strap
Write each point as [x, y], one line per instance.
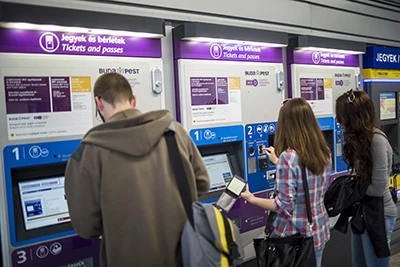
[232, 246]
[180, 175]
[307, 198]
[272, 215]
[394, 150]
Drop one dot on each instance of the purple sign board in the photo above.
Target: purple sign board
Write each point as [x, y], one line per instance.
[71, 251]
[228, 52]
[62, 43]
[222, 90]
[61, 94]
[309, 57]
[308, 88]
[203, 91]
[27, 94]
[320, 89]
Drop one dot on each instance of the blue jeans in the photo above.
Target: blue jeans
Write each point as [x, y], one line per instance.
[363, 254]
[318, 256]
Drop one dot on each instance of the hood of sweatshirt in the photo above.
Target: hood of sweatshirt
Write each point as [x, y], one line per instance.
[130, 131]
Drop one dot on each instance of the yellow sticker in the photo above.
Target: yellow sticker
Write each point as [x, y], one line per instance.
[234, 83]
[80, 84]
[328, 83]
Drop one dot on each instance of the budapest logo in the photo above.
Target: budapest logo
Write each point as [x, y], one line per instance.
[316, 57]
[253, 82]
[339, 83]
[119, 70]
[216, 51]
[49, 42]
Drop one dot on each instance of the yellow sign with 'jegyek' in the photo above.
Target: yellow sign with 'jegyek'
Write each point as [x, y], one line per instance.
[381, 74]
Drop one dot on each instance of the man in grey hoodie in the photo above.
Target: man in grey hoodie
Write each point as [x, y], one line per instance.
[120, 184]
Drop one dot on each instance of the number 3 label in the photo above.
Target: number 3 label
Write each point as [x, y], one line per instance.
[21, 257]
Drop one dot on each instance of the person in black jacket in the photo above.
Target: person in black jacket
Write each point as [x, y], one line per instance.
[369, 154]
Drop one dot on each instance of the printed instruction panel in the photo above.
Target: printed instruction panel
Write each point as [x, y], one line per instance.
[221, 93]
[42, 99]
[322, 85]
[215, 99]
[40, 106]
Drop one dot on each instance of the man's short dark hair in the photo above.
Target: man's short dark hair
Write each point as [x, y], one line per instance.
[113, 88]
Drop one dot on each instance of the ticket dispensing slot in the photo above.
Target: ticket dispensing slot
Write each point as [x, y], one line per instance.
[222, 161]
[40, 202]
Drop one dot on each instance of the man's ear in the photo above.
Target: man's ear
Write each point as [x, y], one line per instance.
[99, 103]
[133, 101]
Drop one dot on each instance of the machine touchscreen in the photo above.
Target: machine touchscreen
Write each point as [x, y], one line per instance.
[388, 105]
[219, 170]
[43, 202]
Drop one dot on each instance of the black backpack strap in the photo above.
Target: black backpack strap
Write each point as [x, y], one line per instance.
[179, 171]
[232, 246]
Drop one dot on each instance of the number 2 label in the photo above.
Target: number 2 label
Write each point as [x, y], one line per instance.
[250, 130]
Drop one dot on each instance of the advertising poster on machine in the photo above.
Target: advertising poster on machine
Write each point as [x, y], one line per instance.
[44, 98]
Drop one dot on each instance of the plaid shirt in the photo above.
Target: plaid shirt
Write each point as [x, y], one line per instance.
[291, 217]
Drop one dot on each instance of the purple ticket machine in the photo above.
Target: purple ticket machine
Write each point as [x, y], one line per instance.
[229, 89]
[321, 69]
[48, 67]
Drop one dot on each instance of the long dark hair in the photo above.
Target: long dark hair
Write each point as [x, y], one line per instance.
[298, 128]
[356, 113]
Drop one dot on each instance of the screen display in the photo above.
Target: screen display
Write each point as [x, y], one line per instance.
[219, 170]
[43, 202]
[388, 106]
[236, 186]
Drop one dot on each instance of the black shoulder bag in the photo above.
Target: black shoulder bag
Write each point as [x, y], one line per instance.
[293, 251]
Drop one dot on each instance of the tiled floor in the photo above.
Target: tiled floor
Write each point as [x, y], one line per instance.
[395, 260]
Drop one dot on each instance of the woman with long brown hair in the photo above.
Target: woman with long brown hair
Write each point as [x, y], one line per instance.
[299, 143]
[369, 154]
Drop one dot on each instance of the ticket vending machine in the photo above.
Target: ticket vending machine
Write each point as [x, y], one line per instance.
[320, 70]
[47, 72]
[381, 75]
[229, 88]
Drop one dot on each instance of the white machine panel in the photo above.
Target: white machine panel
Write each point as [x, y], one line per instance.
[52, 96]
[225, 93]
[322, 85]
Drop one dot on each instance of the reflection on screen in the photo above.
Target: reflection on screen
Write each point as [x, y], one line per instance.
[388, 105]
[236, 186]
[219, 170]
[43, 202]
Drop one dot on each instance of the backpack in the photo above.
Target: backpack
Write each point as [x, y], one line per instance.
[209, 237]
